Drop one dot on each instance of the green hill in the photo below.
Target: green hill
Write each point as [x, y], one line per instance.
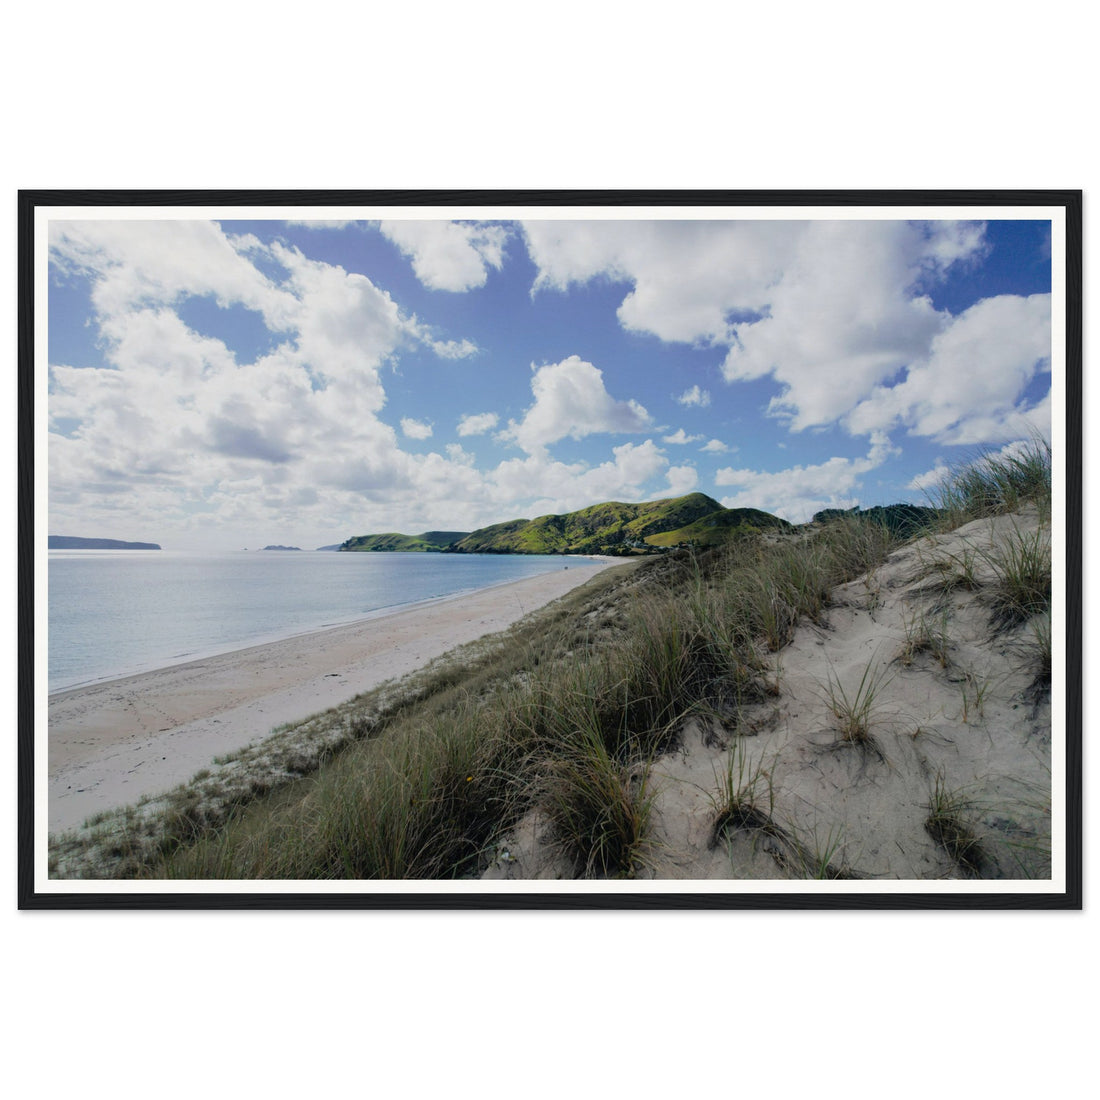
[429, 541]
[720, 526]
[609, 528]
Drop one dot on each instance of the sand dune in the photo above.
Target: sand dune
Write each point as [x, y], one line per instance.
[955, 719]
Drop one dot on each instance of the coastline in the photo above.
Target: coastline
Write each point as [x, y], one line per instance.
[114, 741]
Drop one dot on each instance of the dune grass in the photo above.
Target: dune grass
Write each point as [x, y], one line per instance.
[1022, 566]
[925, 633]
[950, 824]
[993, 484]
[743, 787]
[855, 707]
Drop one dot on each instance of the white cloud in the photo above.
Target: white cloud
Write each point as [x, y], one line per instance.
[456, 453]
[453, 349]
[686, 275]
[795, 494]
[548, 486]
[716, 447]
[930, 479]
[682, 480]
[138, 263]
[680, 436]
[478, 423]
[415, 429]
[967, 389]
[571, 400]
[446, 255]
[694, 396]
[829, 310]
[180, 439]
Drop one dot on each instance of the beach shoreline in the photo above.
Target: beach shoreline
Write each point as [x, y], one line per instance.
[112, 742]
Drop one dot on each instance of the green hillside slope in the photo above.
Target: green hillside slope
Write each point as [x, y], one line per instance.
[719, 526]
[429, 541]
[609, 528]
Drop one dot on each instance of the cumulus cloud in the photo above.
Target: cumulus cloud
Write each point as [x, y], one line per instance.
[137, 263]
[795, 494]
[682, 480]
[930, 478]
[447, 255]
[967, 389]
[716, 447]
[571, 400]
[832, 311]
[415, 429]
[694, 396]
[686, 276]
[177, 438]
[478, 423]
[178, 434]
[562, 487]
[680, 436]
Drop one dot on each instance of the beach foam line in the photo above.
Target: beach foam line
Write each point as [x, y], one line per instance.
[113, 742]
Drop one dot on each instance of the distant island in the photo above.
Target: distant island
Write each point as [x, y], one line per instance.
[72, 542]
[612, 528]
[298, 548]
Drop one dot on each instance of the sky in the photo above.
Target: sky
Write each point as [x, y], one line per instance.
[216, 384]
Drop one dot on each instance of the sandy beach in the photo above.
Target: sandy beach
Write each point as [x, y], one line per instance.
[114, 742]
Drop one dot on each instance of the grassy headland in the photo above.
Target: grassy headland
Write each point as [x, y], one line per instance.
[609, 528]
[429, 541]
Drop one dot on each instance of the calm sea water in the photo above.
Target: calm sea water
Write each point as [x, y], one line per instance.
[115, 612]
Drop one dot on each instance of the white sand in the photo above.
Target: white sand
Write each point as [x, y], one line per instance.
[115, 742]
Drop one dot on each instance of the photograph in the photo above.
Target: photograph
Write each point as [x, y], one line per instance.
[550, 549]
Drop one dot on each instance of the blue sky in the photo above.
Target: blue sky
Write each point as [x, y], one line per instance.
[218, 383]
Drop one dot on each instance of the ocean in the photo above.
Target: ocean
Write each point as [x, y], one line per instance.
[117, 612]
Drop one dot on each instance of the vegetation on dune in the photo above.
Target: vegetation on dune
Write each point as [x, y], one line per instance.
[996, 484]
[565, 715]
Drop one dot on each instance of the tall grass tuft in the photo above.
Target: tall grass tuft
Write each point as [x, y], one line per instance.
[1023, 571]
[599, 806]
[854, 708]
[949, 824]
[742, 787]
[996, 484]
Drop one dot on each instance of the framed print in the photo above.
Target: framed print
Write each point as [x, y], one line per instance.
[607, 549]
